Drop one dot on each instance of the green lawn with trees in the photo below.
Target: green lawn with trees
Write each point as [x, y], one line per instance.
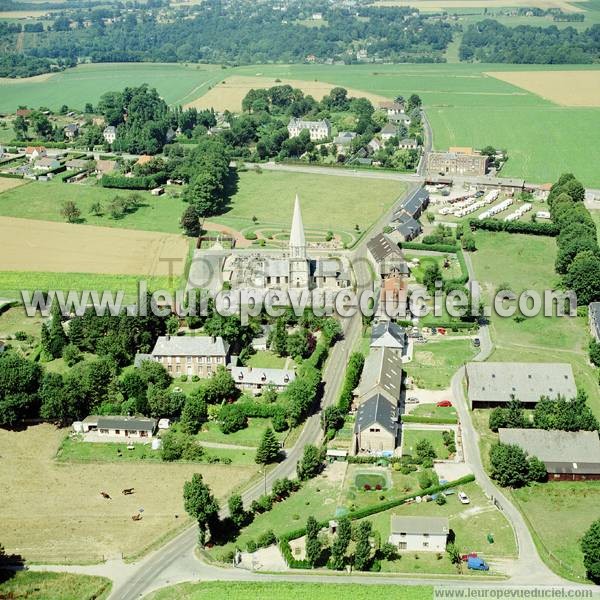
[411, 438]
[58, 586]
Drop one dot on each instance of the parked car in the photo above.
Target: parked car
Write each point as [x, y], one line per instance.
[476, 342]
[477, 564]
[464, 499]
[412, 400]
[444, 403]
[466, 557]
[479, 194]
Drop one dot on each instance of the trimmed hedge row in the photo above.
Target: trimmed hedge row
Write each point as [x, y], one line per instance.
[45, 143]
[446, 248]
[11, 175]
[146, 182]
[284, 539]
[531, 227]
[451, 324]
[351, 380]
[433, 420]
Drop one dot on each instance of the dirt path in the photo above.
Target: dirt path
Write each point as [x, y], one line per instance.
[240, 240]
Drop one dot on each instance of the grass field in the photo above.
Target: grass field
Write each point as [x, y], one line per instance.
[177, 84]
[574, 506]
[53, 511]
[228, 590]
[411, 437]
[249, 436]
[434, 363]
[58, 586]
[268, 360]
[527, 262]
[269, 196]
[432, 410]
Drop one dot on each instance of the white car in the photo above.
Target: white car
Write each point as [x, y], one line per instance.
[464, 499]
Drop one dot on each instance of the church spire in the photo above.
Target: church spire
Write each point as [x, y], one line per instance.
[297, 240]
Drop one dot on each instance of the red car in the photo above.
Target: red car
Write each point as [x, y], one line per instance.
[444, 403]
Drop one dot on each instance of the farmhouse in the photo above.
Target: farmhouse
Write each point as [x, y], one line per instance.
[568, 455]
[460, 161]
[381, 374]
[386, 255]
[318, 130]
[343, 140]
[594, 316]
[256, 379]
[376, 426]
[419, 534]
[109, 134]
[393, 296]
[415, 204]
[190, 355]
[46, 164]
[392, 108]
[75, 164]
[35, 152]
[387, 334]
[119, 427]
[406, 228]
[494, 383]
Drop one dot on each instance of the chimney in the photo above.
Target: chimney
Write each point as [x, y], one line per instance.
[168, 336]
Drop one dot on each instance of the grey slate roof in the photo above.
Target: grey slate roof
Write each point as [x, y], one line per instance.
[190, 346]
[389, 128]
[419, 525]
[381, 247]
[409, 228]
[416, 202]
[560, 451]
[377, 409]
[493, 382]
[260, 376]
[387, 334]
[140, 358]
[594, 314]
[382, 373]
[130, 423]
[344, 137]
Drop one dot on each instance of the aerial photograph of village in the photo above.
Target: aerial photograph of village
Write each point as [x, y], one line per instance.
[299, 299]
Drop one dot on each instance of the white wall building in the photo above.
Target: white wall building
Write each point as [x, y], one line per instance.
[419, 534]
[318, 130]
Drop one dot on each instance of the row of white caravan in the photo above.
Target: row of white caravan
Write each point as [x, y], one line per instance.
[519, 212]
[470, 205]
[497, 209]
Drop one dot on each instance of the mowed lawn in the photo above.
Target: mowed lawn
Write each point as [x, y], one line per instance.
[411, 437]
[527, 263]
[229, 590]
[560, 513]
[327, 201]
[176, 83]
[58, 586]
[435, 363]
[53, 512]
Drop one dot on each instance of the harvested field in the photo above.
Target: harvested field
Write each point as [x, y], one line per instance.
[567, 88]
[434, 5]
[228, 94]
[63, 247]
[23, 14]
[8, 183]
[54, 511]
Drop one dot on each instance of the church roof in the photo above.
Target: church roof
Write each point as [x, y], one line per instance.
[297, 233]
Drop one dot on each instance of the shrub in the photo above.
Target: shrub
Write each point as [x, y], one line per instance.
[250, 235]
[184, 377]
[367, 487]
[195, 378]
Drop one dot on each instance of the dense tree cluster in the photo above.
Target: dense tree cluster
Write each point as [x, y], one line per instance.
[511, 467]
[242, 33]
[489, 41]
[590, 546]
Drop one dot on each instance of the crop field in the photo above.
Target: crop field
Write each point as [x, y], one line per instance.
[438, 5]
[230, 590]
[63, 247]
[269, 196]
[53, 512]
[228, 94]
[177, 83]
[573, 504]
[567, 88]
[8, 183]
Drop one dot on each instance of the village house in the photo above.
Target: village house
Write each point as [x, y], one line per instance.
[190, 355]
[23, 112]
[594, 316]
[71, 131]
[406, 228]
[110, 134]
[388, 132]
[568, 455]
[492, 384]
[318, 130]
[400, 120]
[374, 146]
[343, 140]
[387, 334]
[386, 256]
[416, 204]
[35, 152]
[419, 534]
[376, 427]
[392, 108]
[105, 167]
[408, 144]
[457, 161]
[393, 297]
[256, 379]
[46, 163]
[117, 428]
[76, 164]
[381, 374]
